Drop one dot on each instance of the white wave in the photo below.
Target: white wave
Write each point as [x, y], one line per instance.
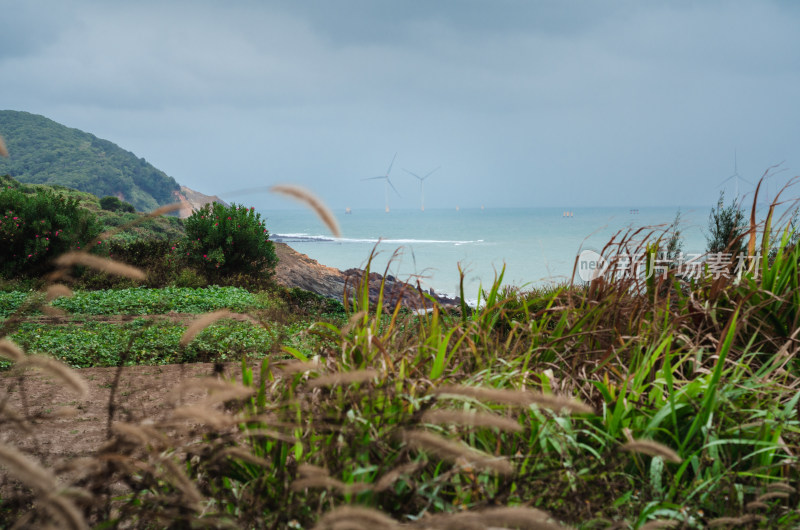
[317, 238]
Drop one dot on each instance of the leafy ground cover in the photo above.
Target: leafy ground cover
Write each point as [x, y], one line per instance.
[144, 301]
[145, 341]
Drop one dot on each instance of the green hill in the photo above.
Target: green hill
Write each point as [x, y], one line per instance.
[45, 152]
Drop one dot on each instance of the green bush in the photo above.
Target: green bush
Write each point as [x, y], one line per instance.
[225, 240]
[189, 278]
[113, 204]
[726, 225]
[38, 226]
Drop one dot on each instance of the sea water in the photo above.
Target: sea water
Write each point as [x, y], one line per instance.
[535, 245]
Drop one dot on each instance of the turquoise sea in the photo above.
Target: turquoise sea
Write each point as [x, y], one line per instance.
[537, 245]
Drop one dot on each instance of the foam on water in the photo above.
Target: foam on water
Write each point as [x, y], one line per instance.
[296, 238]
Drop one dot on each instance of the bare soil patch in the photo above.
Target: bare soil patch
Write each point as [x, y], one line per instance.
[53, 435]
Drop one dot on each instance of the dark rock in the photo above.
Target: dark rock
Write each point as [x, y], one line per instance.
[298, 270]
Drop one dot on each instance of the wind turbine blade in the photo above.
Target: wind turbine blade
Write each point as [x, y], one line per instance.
[390, 166]
[431, 172]
[726, 180]
[373, 178]
[410, 173]
[392, 185]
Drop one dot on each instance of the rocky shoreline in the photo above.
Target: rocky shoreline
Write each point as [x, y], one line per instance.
[298, 270]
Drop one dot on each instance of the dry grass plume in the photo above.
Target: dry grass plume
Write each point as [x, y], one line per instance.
[11, 351]
[101, 264]
[310, 200]
[355, 517]
[202, 323]
[516, 397]
[474, 419]
[57, 290]
[453, 451]
[344, 378]
[53, 367]
[651, 448]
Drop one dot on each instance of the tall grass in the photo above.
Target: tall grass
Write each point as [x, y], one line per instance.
[630, 401]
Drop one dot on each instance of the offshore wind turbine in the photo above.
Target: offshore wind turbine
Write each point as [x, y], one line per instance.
[421, 182]
[735, 175]
[388, 182]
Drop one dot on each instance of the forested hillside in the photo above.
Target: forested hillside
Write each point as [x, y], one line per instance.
[45, 152]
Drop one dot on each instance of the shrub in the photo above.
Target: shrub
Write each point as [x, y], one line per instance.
[113, 204]
[225, 240]
[675, 243]
[189, 278]
[160, 259]
[39, 225]
[726, 225]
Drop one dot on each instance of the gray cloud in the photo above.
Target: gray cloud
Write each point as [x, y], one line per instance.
[522, 103]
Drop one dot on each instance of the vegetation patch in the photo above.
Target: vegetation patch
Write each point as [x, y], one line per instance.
[145, 341]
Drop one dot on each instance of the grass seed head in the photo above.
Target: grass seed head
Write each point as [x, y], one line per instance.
[57, 290]
[651, 448]
[449, 450]
[295, 367]
[344, 378]
[65, 512]
[184, 484]
[11, 351]
[386, 481]
[132, 432]
[204, 415]
[517, 517]
[355, 517]
[26, 470]
[101, 264]
[735, 521]
[308, 471]
[772, 495]
[168, 208]
[310, 200]
[53, 367]
[329, 483]
[516, 397]
[202, 323]
[53, 311]
[781, 486]
[475, 419]
[269, 433]
[242, 454]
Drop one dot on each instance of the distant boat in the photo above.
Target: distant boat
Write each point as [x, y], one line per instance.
[458, 208]
[634, 211]
[567, 214]
[348, 210]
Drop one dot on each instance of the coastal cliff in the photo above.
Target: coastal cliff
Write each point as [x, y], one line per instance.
[193, 200]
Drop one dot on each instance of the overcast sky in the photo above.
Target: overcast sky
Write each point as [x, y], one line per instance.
[521, 103]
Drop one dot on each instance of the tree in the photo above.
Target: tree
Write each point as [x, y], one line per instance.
[726, 225]
[113, 204]
[224, 240]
